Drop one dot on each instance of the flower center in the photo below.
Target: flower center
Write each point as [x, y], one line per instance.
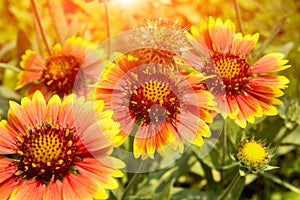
[234, 70]
[154, 100]
[253, 154]
[156, 56]
[47, 153]
[59, 74]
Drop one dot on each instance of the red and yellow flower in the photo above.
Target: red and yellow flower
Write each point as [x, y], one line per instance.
[56, 150]
[250, 90]
[156, 105]
[57, 73]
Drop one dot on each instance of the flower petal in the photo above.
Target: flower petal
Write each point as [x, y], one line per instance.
[33, 64]
[53, 108]
[30, 189]
[243, 45]
[53, 191]
[272, 62]
[6, 170]
[249, 108]
[221, 34]
[270, 81]
[7, 138]
[7, 187]
[88, 188]
[27, 77]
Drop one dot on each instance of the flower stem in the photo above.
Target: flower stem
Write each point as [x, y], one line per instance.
[38, 20]
[225, 140]
[134, 180]
[108, 28]
[239, 16]
[268, 40]
[281, 182]
[224, 148]
[225, 193]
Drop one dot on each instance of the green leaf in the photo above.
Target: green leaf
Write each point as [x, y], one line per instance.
[156, 187]
[189, 194]
[285, 195]
[9, 66]
[234, 189]
[237, 190]
[8, 93]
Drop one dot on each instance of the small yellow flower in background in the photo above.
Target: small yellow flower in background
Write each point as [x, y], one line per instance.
[253, 156]
[156, 105]
[253, 153]
[250, 90]
[55, 150]
[56, 74]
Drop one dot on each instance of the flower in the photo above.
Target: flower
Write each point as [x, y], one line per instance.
[158, 40]
[155, 104]
[252, 153]
[56, 150]
[253, 156]
[58, 72]
[250, 89]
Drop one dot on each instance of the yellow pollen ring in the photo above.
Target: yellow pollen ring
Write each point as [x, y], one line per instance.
[156, 91]
[17, 173]
[69, 152]
[67, 132]
[70, 143]
[229, 67]
[20, 139]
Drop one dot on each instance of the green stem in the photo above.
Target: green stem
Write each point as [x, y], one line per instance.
[133, 181]
[281, 182]
[38, 20]
[207, 171]
[224, 148]
[225, 193]
[225, 140]
[8, 66]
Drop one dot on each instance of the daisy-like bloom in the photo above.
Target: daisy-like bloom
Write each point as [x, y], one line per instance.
[158, 40]
[55, 150]
[252, 153]
[57, 73]
[253, 156]
[250, 90]
[156, 105]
